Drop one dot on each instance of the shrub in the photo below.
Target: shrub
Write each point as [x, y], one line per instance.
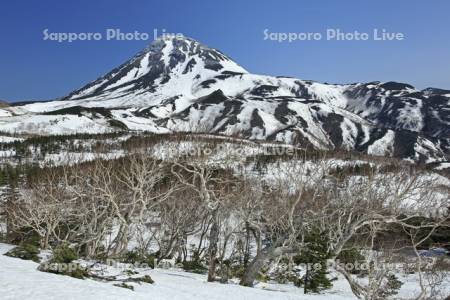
[262, 277]
[25, 252]
[194, 266]
[282, 277]
[61, 263]
[354, 257]
[134, 257]
[67, 269]
[145, 278]
[124, 285]
[391, 287]
[237, 271]
[24, 235]
[64, 254]
[314, 257]
[131, 272]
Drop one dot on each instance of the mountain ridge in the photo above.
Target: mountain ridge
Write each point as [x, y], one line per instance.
[178, 84]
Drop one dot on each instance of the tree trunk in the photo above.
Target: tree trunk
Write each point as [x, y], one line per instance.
[266, 253]
[121, 241]
[91, 249]
[305, 288]
[212, 249]
[247, 244]
[11, 199]
[224, 273]
[256, 264]
[45, 240]
[356, 288]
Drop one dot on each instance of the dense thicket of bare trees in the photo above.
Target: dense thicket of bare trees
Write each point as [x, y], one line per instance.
[193, 209]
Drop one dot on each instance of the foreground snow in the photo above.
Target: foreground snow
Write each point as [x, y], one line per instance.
[19, 279]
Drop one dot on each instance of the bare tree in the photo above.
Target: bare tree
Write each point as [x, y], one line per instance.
[212, 189]
[41, 208]
[361, 204]
[276, 215]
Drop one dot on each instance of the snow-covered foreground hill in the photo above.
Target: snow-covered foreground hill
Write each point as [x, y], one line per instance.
[19, 279]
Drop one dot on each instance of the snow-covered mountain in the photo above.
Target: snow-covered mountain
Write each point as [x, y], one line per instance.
[177, 84]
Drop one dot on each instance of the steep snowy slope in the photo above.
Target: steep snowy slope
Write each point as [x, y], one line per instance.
[178, 84]
[168, 68]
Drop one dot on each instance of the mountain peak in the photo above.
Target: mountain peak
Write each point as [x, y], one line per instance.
[172, 37]
[182, 47]
[168, 62]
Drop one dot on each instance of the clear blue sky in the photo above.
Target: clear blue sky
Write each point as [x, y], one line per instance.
[31, 68]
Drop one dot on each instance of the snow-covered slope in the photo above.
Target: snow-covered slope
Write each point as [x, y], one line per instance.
[178, 84]
[20, 279]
